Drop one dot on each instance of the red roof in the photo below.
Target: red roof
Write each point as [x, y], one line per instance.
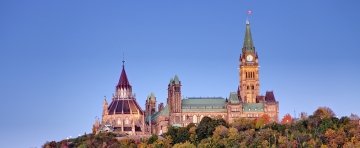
[123, 82]
[127, 106]
[269, 96]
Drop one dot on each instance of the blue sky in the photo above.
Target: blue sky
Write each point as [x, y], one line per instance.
[59, 59]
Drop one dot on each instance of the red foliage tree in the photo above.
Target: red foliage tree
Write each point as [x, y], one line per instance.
[287, 119]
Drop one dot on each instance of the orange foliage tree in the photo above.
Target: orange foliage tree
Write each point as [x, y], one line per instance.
[263, 120]
[287, 119]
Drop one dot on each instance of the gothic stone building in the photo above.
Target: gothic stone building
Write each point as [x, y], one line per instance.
[124, 114]
[246, 102]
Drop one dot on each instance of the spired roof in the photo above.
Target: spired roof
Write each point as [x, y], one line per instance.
[123, 81]
[248, 42]
[175, 80]
[233, 98]
[269, 96]
[171, 80]
[207, 104]
[124, 106]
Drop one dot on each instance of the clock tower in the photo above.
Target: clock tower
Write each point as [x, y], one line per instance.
[249, 70]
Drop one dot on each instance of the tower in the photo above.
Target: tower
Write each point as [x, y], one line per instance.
[150, 104]
[174, 100]
[249, 69]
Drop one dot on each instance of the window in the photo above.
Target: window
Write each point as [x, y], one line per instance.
[194, 119]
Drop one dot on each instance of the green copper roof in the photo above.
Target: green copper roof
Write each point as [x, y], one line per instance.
[248, 42]
[253, 107]
[233, 98]
[206, 104]
[164, 112]
[171, 80]
[176, 79]
[152, 97]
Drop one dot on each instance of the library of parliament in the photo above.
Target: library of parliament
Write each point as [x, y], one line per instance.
[124, 114]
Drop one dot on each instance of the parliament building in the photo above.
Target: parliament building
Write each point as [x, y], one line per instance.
[124, 115]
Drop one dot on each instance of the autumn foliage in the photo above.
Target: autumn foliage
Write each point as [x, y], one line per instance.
[321, 129]
[287, 119]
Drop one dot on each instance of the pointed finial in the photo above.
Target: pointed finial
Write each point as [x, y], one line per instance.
[123, 61]
[249, 12]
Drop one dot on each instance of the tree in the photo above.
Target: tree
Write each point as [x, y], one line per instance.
[262, 121]
[233, 138]
[207, 126]
[182, 135]
[178, 134]
[247, 137]
[335, 138]
[323, 112]
[242, 124]
[193, 137]
[287, 119]
[184, 145]
[152, 139]
[220, 132]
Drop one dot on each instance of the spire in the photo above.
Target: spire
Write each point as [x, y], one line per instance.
[105, 101]
[248, 42]
[123, 81]
[176, 79]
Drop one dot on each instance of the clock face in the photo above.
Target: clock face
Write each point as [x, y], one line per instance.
[249, 58]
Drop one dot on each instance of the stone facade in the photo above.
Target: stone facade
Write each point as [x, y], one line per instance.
[124, 114]
[246, 102]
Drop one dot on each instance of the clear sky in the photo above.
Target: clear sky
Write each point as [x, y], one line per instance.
[58, 59]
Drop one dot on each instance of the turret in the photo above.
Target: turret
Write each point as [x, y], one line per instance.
[174, 95]
[150, 104]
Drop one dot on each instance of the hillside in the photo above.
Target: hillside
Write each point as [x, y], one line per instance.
[321, 129]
